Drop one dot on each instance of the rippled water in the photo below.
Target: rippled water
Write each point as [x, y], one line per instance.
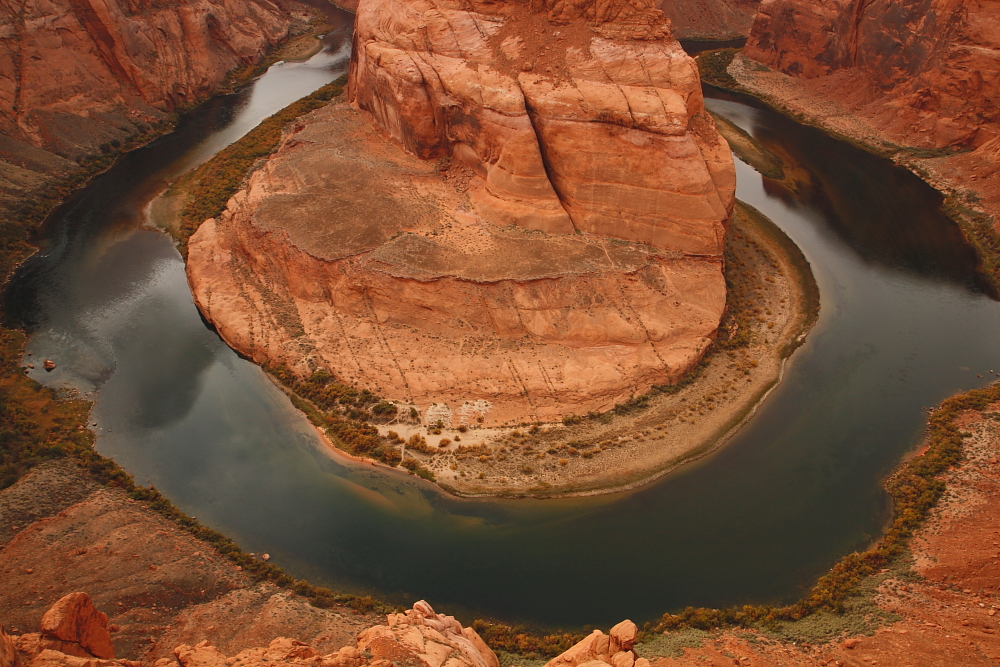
[905, 322]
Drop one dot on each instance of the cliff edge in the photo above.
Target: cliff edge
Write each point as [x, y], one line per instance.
[76, 75]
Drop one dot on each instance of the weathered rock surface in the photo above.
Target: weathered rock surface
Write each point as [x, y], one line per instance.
[561, 252]
[75, 74]
[926, 72]
[75, 627]
[416, 638]
[422, 637]
[604, 650]
[559, 124]
[710, 19]
[159, 585]
[347, 253]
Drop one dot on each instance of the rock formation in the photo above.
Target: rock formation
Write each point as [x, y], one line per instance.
[549, 241]
[604, 650]
[710, 19]
[73, 626]
[75, 74]
[927, 73]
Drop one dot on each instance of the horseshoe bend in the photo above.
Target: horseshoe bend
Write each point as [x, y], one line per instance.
[517, 213]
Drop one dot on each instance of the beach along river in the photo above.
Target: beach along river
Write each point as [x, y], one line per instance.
[905, 322]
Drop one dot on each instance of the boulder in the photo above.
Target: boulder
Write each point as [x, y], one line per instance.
[75, 627]
[599, 649]
[422, 637]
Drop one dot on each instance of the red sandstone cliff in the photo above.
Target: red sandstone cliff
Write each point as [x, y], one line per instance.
[710, 19]
[926, 72]
[531, 225]
[75, 74]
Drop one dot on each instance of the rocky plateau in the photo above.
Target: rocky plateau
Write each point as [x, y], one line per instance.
[519, 215]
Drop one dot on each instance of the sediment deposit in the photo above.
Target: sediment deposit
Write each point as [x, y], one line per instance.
[530, 223]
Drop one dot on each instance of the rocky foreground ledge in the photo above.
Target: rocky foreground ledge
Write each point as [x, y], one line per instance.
[73, 633]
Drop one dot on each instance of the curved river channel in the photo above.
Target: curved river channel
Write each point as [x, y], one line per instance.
[905, 322]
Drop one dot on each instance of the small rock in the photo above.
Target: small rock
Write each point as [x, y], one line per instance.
[266, 557]
[852, 642]
[49, 365]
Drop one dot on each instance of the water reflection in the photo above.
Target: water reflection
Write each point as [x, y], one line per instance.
[895, 231]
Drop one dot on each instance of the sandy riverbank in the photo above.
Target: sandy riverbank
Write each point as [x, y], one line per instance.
[773, 302]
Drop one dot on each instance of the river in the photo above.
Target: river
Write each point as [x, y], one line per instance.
[905, 322]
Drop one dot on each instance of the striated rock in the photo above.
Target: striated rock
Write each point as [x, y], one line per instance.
[537, 119]
[351, 255]
[925, 72]
[75, 627]
[74, 74]
[600, 650]
[7, 650]
[710, 19]
[549, 242]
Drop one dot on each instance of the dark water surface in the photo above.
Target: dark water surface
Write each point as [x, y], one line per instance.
[905, 322]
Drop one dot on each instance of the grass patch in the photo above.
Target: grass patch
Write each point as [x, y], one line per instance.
[672, 645]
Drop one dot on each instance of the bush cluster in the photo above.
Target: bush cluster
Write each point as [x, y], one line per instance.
[220, 178]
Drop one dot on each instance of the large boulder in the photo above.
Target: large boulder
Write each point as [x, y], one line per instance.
[601, 650]
[75, 627]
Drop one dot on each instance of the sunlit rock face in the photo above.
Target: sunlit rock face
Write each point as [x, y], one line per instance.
[519, 215]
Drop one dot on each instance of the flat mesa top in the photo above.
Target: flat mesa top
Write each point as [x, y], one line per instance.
[351, 192]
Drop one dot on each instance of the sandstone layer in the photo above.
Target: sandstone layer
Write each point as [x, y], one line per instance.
[541, 232]
[76, 74]
[925, 72]
[917, 81]
[715, 20]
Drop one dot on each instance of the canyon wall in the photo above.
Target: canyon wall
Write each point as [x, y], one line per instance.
[925, 72]
[710, 19]
[530, 224]
[75, 74]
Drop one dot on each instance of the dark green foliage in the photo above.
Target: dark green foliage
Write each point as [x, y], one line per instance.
[520, 639]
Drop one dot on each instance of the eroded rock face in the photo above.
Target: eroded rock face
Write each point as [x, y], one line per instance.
[926, 72]
[585, 117]
[604, 650]
[75, 74]
[548, 242]
[75, 627]
[710, 19]
[422, 637]
[348, 254]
